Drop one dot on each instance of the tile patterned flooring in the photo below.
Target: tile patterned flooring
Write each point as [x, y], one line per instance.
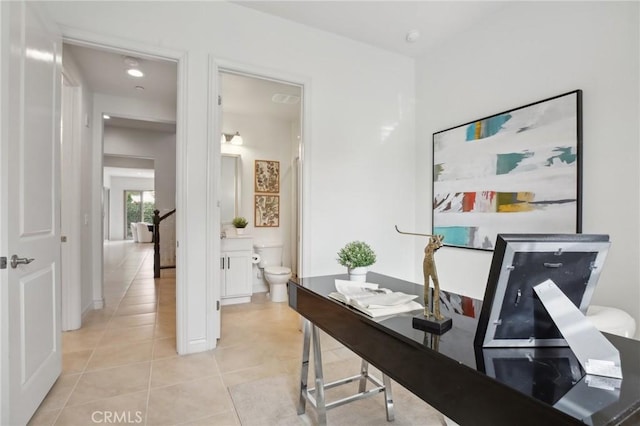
[122, 366]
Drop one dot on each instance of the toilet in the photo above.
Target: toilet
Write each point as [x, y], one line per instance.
[276, 275]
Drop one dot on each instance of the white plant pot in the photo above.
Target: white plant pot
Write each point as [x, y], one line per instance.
[358, 274]
[239, 231]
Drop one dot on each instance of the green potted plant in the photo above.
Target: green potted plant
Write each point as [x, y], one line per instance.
[239, 223]
[357, 256]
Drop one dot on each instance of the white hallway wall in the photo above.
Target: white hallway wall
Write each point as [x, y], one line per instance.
[526, 53]
[359, 151]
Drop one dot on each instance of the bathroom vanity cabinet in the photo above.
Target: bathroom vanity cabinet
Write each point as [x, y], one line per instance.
[235, 270]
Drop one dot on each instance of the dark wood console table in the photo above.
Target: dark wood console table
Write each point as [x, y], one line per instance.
[467, 384]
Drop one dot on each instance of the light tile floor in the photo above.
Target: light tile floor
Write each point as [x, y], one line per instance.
[122, 366]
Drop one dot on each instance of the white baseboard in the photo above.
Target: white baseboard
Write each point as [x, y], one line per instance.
[195, 346]
[260, 287]
[235, 300]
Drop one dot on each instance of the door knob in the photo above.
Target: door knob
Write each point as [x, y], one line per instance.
[15, 261]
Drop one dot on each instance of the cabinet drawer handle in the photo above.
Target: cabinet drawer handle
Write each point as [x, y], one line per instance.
[222, 263]
[228, 263]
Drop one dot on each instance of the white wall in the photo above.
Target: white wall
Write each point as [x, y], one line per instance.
[359, 149]
[127, 162]
[133, 108]
[158, 146]
[264, 139]
[116, 212]
[527, 52]
[161, 148]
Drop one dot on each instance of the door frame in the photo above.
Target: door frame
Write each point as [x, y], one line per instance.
[114, 44]
[71, 309]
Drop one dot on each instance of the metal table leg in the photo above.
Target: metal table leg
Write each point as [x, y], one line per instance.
[364, 372]
[316, 395]
[388, 398]
[304, 370]
[321, 408]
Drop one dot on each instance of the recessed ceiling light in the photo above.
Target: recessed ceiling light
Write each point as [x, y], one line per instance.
[106, 117]
[412, 36]
[134, 72]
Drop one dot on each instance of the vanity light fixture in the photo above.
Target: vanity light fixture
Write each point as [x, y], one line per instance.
[232, 138]
[106, 117]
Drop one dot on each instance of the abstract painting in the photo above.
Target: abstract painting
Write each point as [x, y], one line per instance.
[518, 171]
[267, 210]
[267, 176]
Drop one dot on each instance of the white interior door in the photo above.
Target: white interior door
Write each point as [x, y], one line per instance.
[29, 213]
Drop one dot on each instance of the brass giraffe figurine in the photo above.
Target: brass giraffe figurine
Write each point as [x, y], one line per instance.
[429, 270]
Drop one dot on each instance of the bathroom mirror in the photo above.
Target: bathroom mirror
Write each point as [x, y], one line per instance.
[230, 177]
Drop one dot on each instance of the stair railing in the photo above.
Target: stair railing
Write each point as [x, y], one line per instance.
[156, 241]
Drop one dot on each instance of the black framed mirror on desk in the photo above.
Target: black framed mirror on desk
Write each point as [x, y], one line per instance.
[454, 377]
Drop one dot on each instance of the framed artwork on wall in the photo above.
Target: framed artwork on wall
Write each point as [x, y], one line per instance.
[267, 176]
[518, 171]
[267, 210]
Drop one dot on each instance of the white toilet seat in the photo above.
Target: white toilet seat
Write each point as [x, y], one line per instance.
[277, 270]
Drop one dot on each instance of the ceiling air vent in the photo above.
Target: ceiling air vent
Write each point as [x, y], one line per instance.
[280, 98]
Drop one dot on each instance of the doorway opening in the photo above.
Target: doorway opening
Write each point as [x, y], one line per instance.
[131, 122]
[138, 208]
[268, 115]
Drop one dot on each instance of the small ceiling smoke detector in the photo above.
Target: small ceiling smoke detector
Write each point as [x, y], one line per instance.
[412, 36]
[280, 98]
[140, 88]
[131, 62]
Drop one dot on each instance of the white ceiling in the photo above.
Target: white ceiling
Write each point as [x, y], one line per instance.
[385, 24]
[105, 73]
